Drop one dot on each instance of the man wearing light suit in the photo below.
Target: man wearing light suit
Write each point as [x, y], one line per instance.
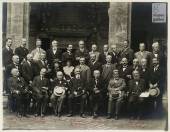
[142, 54]
[37, 51]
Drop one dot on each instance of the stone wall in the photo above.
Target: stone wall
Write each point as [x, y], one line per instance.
[17, 22]
[119, 23]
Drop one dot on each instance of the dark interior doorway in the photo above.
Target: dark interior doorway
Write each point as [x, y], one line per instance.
[143, 30]
[69, 22]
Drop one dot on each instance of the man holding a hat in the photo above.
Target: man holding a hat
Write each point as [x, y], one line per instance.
[40, 92]
[77, 91]
[59, 88]
[135, 102]
[155, 84]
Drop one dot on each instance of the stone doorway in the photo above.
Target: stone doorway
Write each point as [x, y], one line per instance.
[68, 23]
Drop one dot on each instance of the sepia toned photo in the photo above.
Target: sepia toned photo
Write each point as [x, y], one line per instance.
[85, 65]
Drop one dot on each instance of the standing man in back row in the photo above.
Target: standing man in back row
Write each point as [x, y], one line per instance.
[36, 53]
[81, 52]
[22, 51]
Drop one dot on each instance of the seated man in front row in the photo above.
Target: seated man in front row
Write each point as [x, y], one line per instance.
[135, 102]
[77, 91]
[95, 91]
[40, 92]
[19, 91]
[59, 89]
[116, 90]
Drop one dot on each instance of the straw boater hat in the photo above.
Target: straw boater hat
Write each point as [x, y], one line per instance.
[154, 92]
[58, 91]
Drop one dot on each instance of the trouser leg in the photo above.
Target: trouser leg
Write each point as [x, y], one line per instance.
[60, 103]
[110, 106]
[83, 103]
[53, 102]
[70, 103]
[44, 104]
[97, 99]
[118, 104]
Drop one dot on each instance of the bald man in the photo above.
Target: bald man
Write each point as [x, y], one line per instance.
[22, 51]
[40, 92]
[57, 100]
[18, 91]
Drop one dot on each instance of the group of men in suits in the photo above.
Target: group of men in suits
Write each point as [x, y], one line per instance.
[101, 80]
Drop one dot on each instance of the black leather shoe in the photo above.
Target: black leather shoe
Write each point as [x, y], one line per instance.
[69, 115]
[35, 115]
[116, 117]
[82, 115]
[95, 115]
[19, 115]
[42, 115]
[59, 114]
[25, 115]
[108, 116]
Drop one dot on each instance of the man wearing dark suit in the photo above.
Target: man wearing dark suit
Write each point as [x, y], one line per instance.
[156, 80]
[58, 100]
[93, 64]
[144, 72]
[19, 92]
[135, 103]
[40, 92]
[53, 54]
[115, 54]
[107, 70]
[105, 52]
[22, 51]
[7, 54]
[68, 55]
[127, 52]
[125, 71]
[84, 71]
[81, 52]
[57, 67]
[42, 63]
[116, 89]
[95, 91]
[77, 92]
[28, 69]
[136, 65]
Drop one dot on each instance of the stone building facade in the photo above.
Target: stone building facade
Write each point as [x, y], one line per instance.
[18, 18]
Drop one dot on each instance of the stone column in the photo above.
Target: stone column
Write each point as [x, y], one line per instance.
[119, 23]
[18, 22]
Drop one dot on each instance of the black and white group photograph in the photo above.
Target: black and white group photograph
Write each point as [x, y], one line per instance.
[84, 65]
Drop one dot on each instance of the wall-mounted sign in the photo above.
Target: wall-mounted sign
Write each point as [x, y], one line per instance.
[158, 12]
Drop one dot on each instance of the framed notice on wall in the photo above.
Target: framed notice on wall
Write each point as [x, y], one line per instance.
[158, 12]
